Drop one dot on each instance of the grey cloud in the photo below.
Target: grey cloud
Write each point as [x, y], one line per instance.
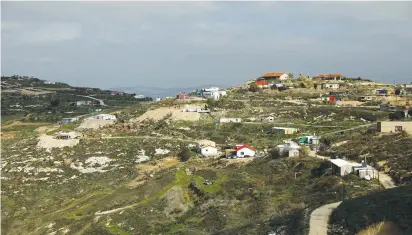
[187, 43]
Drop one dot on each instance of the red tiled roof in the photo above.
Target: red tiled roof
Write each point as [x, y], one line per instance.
[273, 74]
[244, 146]
[328, 75]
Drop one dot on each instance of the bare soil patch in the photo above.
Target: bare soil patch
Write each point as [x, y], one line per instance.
[348, 103]
[29, 92]
[49, 142]
[92, 123]
[158, 165]
[8, 135]
[176, 114]
[151, 168]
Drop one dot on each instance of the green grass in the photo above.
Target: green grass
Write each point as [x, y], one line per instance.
[87, 201]
[113, 229]
[23, 128]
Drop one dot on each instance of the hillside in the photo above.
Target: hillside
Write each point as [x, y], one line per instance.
[32, 99]
[142, 172]
[387, 211]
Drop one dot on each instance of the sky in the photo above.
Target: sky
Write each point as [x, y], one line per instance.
[184, 44]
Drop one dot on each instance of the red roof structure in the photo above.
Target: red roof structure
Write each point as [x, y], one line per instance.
[273, 74]
[244, 146]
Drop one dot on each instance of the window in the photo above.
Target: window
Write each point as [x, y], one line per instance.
[242, 153]
[398, 128]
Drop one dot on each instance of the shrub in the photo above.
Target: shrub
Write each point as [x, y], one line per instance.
[274, 153]
[253, 87]
[184, 154]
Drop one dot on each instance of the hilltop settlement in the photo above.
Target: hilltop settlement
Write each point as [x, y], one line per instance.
[261, 157]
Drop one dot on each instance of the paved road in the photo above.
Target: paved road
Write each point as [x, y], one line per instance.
[319, 218]
[101, 101]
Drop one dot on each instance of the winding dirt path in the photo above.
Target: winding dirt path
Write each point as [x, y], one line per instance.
[144, 137]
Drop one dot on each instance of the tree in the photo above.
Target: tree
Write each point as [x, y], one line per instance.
[184, 154]
[397, 115]
[211, 102]
[290, 75]
[274, 153]
[54, 102]
[253, 87]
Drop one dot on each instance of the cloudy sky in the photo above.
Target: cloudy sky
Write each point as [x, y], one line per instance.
[180, 44]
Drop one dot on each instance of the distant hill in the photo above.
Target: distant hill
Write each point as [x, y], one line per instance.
[155, 92]
[30, 98]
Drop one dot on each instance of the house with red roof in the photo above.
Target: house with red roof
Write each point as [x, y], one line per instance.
[244, 150]
[334, 76]
[274, 76]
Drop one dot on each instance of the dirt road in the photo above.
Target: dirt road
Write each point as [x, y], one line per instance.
[386, 180]
[352, 128]
[100, 101]
[145, 137]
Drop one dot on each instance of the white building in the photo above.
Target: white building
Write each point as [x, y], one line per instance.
[342, 168]
[222, 93]
[228, 120]
[83, 102]
[213, 93]
[158, 99]
[244, 150]
[49, 82]
[363, 170]
[267, 119]
[209, 151]
[139, 96]
[105, 117]
[330, 86]
[211, 89]
[284, 130]
[289, 147]
[207, 148]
